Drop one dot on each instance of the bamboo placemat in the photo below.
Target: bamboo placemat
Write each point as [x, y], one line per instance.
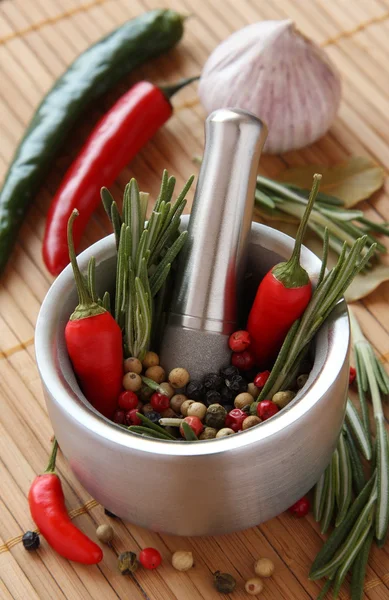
[38, 39]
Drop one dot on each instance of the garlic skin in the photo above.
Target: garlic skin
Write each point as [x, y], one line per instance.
[273, 71]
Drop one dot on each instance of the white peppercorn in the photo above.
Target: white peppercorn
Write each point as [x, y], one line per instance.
[253, 586]
[104, 533]
[185, 406]
[156, 373]
[133, 365]
[224, 432]
[178, 377]
[132, 381]
[243, 399]
[264, 567]
[177, 401]
[197, 409]
[151, 359]
[251, 422]
[167, 388]
[182, 560]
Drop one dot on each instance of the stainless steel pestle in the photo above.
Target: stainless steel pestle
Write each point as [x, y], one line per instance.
[212, 263]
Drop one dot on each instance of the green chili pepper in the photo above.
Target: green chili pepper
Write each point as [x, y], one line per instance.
[94, 72]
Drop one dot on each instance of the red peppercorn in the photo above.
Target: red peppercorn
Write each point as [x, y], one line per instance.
[239, 341]
[150, 558]
[159, 402]
[266, 409]
[300, 508]
[119, 416]
[235, 418]
[195, 424]
[261, 379]
[132, 418]
[128, 400]
[244, 361]
[352, 376]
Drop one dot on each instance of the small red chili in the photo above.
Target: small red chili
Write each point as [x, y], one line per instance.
[150, 558]
[261, 379]
[113, 143]
[282, 297]
[235, 418]
[128, 400]
[119, 416]
[195, 424]
[48, 510]
[300, 508]
[132, 417]
[94, 344]
[159, 402]
[266, 409]
[244, 361]
[352, 376]
[239, 341]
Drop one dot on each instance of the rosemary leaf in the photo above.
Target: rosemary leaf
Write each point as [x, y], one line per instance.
[354, 422]
[359, 568]
[345, 480]
[330, 497]
[358, 475]
[319, 497]
[107, 302]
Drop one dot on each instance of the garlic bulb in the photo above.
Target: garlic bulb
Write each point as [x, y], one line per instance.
[273, 71]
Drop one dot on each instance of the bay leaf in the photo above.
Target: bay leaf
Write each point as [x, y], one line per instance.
[351, 181]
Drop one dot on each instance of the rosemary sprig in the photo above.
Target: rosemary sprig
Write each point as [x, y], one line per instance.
[146, 252]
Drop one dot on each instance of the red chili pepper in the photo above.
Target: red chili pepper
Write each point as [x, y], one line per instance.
[282, 297]
[113, 143]
[94, 343]
[47, 506]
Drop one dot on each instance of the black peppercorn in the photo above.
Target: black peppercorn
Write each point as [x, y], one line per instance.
[224, 582]
[227, 396]
[212, 397]
[110, 514]
[213, 381]
[237, 384]
[229, 371]
[31, 540]
[154, 417]
[228, 407]
[195, 390]
[215, 416]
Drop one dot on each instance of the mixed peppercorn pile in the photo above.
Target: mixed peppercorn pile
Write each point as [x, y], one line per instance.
[219, 405]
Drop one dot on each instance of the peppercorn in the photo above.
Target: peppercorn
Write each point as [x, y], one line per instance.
[266, 409]
[254, 408]
[167, 388]
[244, 361]
[156, 373]
[261, 379]
[228, 371]
[151, 359]
[212, 397]
[132, 418]
[185, 407]
[264, 567]
[213, 381]
[197, 409]
[127, 563]
[300, 508]
[239, 341]
[250, 422]
[168, 413]
[159, 402]
[31, 540]
[154, 416]
[228, 407]
[224, 582]
[227, 395]
[119, 416]
[132, 365]
[253, 586]
[145, 393]
[147, 408]
[104, 533]
[302, 380]
[237, 384]
[195, 390]
[132, 381]
[182, 560]
[178, 377]
[177, 401]
[110, 514]
[195, 424]
[243, 399]
[128, 400]
[253, 390]
[209, 433]
[224, 432]
[215, 416]
[282, 399]
[235, 419]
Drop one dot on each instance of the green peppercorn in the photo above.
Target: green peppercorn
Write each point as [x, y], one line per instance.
[127, 563]
[224, 582]
[302, 380]
[31, 540]
[209, 433]
[215, 416]
[282, 399]
[253, 409]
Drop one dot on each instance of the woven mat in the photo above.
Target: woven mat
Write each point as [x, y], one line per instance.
[38, 39]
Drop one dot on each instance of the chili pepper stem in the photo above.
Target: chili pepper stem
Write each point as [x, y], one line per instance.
[86, 306]
[53, 456]
[291, 273]
[169, 90]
